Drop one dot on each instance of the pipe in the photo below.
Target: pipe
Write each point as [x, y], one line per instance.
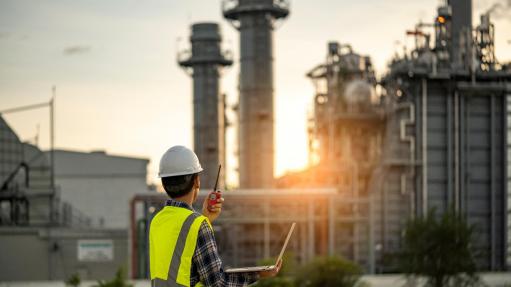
[424, 147]
[371, 256]
[331, 227]
[356, 213]
[467, 164]
[267, 214]
[411, 140]
[462, 151]
[24, 108]
[456, 151]
[52, 155]
[132, 252]
[311, 228]
[505, 139]
[449, 195]
[492, 184]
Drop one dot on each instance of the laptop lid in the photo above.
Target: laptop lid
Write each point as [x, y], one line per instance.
[286, 242]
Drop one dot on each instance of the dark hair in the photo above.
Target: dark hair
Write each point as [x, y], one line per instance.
[180, 185]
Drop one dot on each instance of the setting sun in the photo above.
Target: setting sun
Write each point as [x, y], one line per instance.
[291, 133]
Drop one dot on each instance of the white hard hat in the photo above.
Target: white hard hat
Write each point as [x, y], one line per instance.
[179, 160]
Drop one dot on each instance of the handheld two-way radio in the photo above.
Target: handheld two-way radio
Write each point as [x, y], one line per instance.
[216, 194]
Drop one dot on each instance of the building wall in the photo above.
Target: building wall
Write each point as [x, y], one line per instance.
[465, 160]
[30, 254]
[100, 185]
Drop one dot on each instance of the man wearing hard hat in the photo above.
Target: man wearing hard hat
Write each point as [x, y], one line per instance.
[182, 244]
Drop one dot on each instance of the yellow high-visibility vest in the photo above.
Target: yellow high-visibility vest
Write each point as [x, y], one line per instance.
[172, 241]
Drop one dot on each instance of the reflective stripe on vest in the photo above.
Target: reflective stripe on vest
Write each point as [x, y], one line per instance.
[173, 239]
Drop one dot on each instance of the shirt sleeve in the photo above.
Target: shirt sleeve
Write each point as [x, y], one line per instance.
[208, 264]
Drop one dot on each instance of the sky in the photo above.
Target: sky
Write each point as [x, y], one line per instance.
[119, 89]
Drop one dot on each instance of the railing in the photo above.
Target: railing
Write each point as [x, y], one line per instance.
[186, 55]
[71, 216]
[231, 4]
[13, 174]
[183, 55]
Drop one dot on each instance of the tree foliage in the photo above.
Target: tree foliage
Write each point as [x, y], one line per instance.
[278, 281]
[439, 248]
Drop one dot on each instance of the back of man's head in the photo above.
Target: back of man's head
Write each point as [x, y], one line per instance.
[177, 186]
[179, 169]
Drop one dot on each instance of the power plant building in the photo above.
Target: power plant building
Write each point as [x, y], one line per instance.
[460, 131]
[436, 138]
[79, 226]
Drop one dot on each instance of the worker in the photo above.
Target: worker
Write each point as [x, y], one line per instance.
[183, 250]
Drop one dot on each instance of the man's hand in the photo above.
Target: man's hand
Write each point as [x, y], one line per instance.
[212, 212]
[271, 273]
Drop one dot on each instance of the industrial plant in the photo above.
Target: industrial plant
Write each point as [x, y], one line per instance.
[431, 133]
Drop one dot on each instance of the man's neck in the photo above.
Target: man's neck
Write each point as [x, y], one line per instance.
[185, 199]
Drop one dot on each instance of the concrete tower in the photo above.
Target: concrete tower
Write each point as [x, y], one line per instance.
[461, 29]
[204, 64]
[255, 20]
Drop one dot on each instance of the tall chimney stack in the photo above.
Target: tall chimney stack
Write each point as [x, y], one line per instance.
[255, 19]
[204, 63]
[461, 27]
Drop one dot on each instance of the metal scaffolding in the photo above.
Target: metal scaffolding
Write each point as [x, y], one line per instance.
[254, 223]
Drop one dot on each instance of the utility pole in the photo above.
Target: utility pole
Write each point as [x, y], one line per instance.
[52, 151]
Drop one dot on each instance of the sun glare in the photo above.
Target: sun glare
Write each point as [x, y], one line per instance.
[290, 139]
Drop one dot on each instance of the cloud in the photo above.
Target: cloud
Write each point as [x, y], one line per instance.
[76, 50]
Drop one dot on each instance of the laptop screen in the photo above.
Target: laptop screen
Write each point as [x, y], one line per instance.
[285, 242]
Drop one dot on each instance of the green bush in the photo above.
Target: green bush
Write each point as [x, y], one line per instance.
[73, 280]
[328, 272]
[118, 281]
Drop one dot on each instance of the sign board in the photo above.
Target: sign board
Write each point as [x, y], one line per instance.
[95, 250]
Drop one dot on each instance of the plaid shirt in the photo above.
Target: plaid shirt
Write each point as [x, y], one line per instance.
[207, 265]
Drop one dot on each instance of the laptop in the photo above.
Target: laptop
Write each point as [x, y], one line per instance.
[268, 267]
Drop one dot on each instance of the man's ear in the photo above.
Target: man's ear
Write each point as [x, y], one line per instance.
[197, 182]
[196, 186]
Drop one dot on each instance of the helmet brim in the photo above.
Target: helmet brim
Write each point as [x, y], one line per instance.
[179, 173]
